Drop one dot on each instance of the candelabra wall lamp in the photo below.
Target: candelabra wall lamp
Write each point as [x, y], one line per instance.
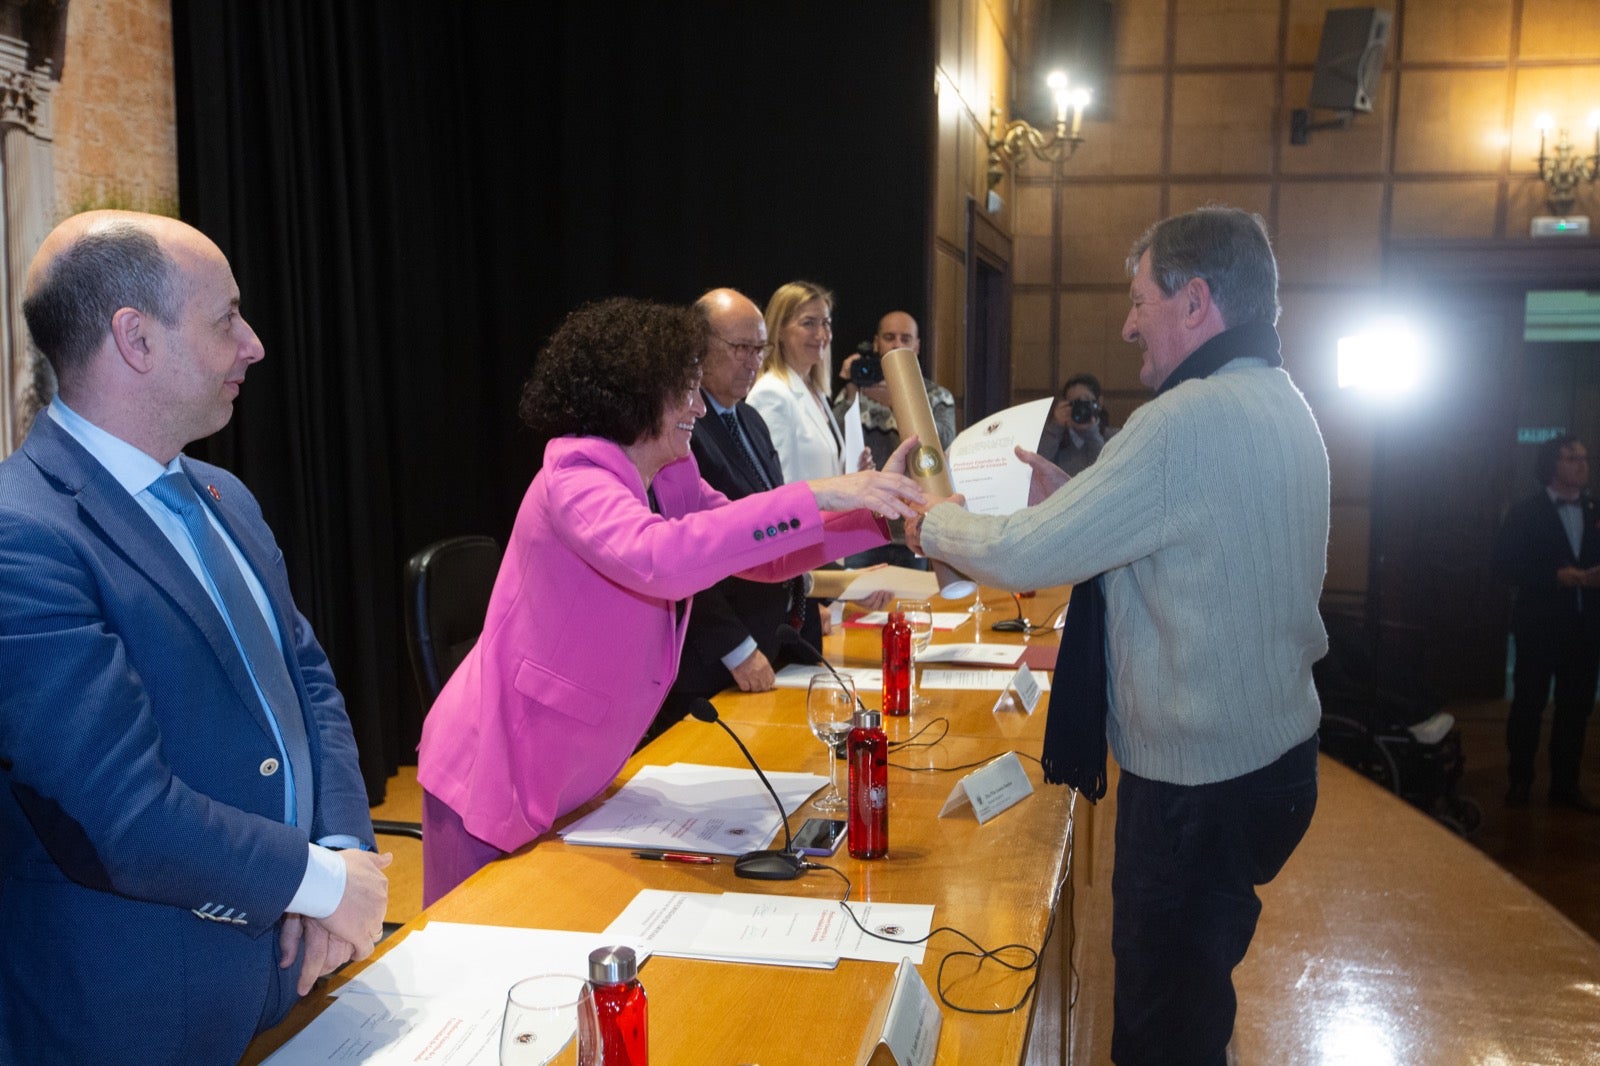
[1009, 142]
[1563, 171]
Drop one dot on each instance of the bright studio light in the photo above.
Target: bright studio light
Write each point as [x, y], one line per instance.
[1385, 358]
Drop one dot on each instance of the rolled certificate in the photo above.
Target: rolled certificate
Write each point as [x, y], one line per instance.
[908, 397]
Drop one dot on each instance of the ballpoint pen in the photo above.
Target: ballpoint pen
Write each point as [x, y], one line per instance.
[677, 856]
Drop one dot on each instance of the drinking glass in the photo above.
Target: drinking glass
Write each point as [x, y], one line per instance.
[919, 616]
[541, 1018]
[978, 609]
[830, 708]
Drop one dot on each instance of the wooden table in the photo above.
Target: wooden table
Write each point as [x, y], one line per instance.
[998, 883]
[1385, 940]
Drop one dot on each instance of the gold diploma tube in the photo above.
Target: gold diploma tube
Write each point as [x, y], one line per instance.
[908, 397]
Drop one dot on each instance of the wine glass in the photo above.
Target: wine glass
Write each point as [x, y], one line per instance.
[978, 609]
[830, 709]
[919, 616]
[541, 1018]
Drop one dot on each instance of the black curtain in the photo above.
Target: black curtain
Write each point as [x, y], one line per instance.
[412, 195]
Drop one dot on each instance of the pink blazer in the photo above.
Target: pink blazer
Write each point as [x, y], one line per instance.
[581, 640]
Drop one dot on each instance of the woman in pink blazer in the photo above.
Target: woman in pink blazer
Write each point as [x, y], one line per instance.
[615, 535]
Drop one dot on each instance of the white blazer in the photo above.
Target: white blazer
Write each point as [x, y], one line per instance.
[807, 438]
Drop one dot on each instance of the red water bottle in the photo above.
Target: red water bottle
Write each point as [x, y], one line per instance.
[896, 665]
[867, 749]
[613, 1023]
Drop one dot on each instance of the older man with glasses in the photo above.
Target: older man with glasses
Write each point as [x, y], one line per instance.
[732, 637]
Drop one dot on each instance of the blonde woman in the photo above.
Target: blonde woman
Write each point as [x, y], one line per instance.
[792, 391]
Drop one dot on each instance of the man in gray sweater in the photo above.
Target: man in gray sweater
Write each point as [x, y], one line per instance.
[1206, 520]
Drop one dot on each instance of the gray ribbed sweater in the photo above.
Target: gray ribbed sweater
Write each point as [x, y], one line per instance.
[1208, 514]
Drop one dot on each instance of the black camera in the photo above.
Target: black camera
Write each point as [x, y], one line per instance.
[867, 370]
[1085, 411]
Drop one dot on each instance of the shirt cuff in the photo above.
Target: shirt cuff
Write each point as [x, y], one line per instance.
[740, 654]
[322, 887]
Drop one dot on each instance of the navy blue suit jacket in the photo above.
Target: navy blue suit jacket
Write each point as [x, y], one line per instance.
[1531, 547]
[144, 862]
[734, 608]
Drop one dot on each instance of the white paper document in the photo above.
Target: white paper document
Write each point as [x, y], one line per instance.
[439, 995]
[978, 680]
[941, 619]
[973, 654]
[452, 959]
[390, 1028]
[768, 929]
[983, 465]
[854, 439]
[904, 582]
[714, 810]
[866, 678]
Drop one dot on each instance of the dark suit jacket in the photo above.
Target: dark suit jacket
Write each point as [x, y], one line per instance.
[1531, 547]
[144, 861]
[732, 609]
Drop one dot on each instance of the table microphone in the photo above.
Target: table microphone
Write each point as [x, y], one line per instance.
[789, 637]
[785, 865]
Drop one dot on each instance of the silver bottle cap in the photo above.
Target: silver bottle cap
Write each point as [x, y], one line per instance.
[866, 719]
[612, 966]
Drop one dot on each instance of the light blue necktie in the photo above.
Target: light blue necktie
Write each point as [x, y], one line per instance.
[262, 655]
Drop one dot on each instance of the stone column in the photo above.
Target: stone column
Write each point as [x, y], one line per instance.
[27, 180]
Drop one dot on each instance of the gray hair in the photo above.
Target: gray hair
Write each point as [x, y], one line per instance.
[115, 265]
[1225, 246]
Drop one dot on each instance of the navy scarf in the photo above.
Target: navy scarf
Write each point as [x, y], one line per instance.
[1075, 729]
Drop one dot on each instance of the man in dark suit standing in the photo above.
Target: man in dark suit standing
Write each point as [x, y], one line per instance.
[732, 637]
[1549, 547]
[184, 837]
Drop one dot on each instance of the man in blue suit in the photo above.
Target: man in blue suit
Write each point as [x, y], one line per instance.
[184, 837]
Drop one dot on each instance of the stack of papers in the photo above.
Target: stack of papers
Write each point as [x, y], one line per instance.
[713, 810]
[797, 675]
[941, 619]
[901, 581]
[771, 930]
[439, 995]
[973, 654]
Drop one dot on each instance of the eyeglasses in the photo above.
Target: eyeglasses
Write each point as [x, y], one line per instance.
[743, 349]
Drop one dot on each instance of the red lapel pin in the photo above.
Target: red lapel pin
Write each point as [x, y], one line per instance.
[215, 495]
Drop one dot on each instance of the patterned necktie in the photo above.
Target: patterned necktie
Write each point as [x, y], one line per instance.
[262, 654]
[742, 447]
[795, 586]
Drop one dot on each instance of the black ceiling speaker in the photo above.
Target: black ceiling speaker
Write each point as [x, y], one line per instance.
[1350, 58]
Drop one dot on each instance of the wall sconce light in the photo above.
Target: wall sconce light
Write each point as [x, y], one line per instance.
[1563, 171]
[1008, 143]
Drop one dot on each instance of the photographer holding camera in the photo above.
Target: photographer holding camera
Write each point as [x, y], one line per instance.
[1078, 426]
[863, 371]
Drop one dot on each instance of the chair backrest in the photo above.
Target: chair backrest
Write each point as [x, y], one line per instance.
[447, 586]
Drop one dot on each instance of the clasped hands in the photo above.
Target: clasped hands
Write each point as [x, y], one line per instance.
[350, 932]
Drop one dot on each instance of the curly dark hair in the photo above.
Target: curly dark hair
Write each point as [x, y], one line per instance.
[608, 369]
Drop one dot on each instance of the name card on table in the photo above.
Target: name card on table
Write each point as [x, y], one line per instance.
[991, 789]
[1026, 687]
[905, 1028]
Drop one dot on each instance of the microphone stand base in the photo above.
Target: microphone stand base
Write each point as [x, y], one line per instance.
[769, 866]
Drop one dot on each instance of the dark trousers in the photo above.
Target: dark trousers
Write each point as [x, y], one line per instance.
[1184, 905]
[1572, 661]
